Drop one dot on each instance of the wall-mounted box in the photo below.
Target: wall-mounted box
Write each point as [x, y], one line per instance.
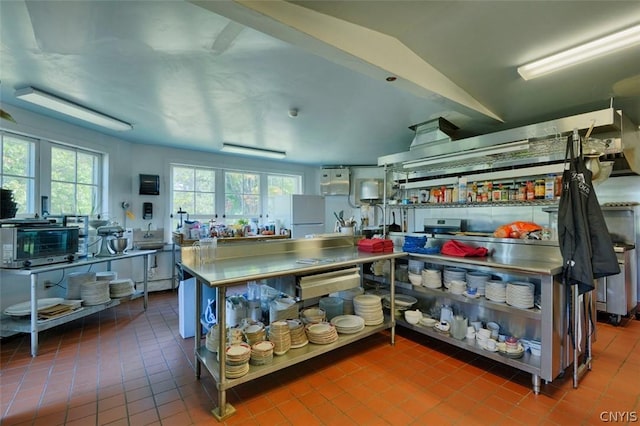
[334, 181]
[149, 185]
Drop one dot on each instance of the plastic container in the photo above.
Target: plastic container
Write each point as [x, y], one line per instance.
[333, 306]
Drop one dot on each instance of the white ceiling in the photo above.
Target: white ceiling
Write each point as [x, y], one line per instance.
[197, 74]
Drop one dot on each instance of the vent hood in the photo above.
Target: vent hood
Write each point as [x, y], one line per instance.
[438, 130]
[522, 147]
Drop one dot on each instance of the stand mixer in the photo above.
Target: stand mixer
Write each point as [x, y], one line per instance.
[107, 233]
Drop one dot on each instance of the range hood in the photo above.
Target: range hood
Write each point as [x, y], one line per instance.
[519, 148]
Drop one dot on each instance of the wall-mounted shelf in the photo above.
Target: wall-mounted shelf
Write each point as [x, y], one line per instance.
[533, 203]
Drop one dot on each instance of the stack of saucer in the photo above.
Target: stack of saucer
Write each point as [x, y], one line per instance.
[457, 286]
[94, 293]
[347, 297]
[477, 280]
[321, 333]
[261, 353]
[450, 274]
[313, 315]
[121, 288]
[431, 278]
[280, 335]
[348, 324]
[298, 334]
[496, 291]
[212, 339]
[369, 307]
[75, 280]
[237, 360]
[520, 294]
[254, 333]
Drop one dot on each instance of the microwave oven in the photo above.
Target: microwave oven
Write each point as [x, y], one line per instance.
[28, 246]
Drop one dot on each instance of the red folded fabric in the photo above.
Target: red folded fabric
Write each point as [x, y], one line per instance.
[456, 248]
[375, 245]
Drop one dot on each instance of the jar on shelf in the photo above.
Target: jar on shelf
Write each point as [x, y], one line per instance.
[530, 191]
[539, 189]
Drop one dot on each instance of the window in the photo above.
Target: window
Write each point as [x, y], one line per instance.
[17, 171]
[282, 185]
[75, 181]
[241, 194]
[193, 191]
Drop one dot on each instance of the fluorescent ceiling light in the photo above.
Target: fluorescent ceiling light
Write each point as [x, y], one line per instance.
[582, 53]
[247, 150]
[62, 106]
[474, 153]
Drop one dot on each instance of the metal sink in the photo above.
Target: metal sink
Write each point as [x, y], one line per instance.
[148, 245]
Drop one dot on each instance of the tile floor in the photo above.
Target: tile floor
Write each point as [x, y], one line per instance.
[125, 366]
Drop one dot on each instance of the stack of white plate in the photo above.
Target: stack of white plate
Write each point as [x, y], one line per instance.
[520, 294]
[321, 333]
[280, 335]
[450, 274]
[348, 324]
[478, 280]
[369, 308]
[212, 339]
[254, 333]
[261, 353]
[237, 361]
[75, 280]
[347, 297]
[121, 288]
[496, 291]
[95, 293]
[457, 287]
[298, 334]
[312, 315]
[431, 278]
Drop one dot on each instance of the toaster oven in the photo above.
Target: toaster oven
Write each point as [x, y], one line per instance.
[36, 245]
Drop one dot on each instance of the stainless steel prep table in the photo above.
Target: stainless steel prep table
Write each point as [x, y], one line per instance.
[33, 326]
[239, 263]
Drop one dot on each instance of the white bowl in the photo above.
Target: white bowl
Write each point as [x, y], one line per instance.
[412, 317]
[415, 279]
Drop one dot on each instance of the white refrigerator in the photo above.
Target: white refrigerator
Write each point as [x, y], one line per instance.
[302, 214]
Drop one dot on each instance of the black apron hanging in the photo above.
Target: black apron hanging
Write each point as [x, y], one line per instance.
[585, 243]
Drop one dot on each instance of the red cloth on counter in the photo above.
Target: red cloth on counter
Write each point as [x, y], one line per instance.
[375, 245]
[456, 248]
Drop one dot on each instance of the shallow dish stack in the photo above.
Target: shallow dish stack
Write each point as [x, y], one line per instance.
[237, 360]
[280, 335]
[347, 324]
[106, 276]
[520, 294]
[121, 288]
[477, 280]
[298, 334]
[212, 339]
[321, 333]
[369, 308]
[431, 278]
[403, 302]
[254, 333]
[313, 315]
[496, 291]
[95, 293]
[261, 353]
[457, 287]
[450, 274]
[75, 280]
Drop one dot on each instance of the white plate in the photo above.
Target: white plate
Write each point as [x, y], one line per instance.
[24, 308]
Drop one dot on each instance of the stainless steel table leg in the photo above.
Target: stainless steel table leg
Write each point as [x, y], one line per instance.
[34, 314]
[224, 409]
[535, 380]
[393, 301]
[146, 281]
[198, 327]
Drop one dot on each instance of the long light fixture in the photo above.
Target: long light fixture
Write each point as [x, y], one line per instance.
[63, 106]
[257, 152]
[582, 53]
[480, 152]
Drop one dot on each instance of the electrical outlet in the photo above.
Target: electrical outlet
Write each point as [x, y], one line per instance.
[48, 284]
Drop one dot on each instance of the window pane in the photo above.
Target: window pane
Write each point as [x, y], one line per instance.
[87, 164]
[233, 204]
[184, 200]
[251, 184]
[86, 195]
[16, 157]
[251, 205]
[204, 203]
[63, 163]
[233, 182]
[63, 200]
[20, 188]
[205, 180]
[183, 179]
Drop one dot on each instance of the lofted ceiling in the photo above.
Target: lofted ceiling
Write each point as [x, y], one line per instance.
[195, 74]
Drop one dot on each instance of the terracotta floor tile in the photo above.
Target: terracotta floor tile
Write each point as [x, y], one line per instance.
[144, 417]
